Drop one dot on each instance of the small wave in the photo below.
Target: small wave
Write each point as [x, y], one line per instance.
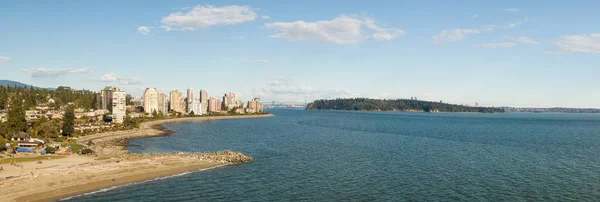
[136, 183]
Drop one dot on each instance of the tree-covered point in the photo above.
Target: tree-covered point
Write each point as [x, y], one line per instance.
[367, 104]
[31, 97]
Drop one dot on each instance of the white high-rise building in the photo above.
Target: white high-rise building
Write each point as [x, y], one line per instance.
[195, 106]
[106, 97]
[163, 103]
[177, 103]
[190, 100]
[118, 106]
[204, 100]
[150, 100]
[190, 94]
[229, 101]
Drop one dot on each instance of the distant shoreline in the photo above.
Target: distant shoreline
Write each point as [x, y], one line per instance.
[411, 111]
[114, 166]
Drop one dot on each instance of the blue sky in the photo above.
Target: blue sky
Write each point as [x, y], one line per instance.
[505, 53]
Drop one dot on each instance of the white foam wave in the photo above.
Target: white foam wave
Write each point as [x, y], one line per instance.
[136, 183]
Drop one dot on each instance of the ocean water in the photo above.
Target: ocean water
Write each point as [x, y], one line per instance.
[367, 156]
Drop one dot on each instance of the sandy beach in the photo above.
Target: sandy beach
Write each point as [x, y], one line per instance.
[113, 166]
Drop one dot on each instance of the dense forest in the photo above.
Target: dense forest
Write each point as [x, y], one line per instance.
[34, 96]
[395, 105]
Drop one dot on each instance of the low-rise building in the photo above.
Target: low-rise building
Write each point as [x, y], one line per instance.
[24, 140]
[32, 115]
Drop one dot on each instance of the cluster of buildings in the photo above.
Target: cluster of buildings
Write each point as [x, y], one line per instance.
[197, 104]
[113, 101]
[41, 110]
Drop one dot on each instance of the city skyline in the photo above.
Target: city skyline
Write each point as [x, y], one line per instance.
[511, 53]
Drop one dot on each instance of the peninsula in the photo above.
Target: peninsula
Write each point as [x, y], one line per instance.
[44, 179]
[406, 105]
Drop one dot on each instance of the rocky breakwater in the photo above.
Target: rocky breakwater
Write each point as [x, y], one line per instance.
[225, 157]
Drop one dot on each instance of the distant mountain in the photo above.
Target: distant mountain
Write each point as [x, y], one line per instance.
[19, 84]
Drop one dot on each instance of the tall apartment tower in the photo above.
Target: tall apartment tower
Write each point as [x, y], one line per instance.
[190, 94]
[177, 101]
[191, 101]
[150, 100]
[212, 104]
[106, 97]
[163, 103]
[118, 106]
[203, 96]
[229, 101]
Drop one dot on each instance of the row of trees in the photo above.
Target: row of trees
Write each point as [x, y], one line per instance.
[395, 105]
[31, 97]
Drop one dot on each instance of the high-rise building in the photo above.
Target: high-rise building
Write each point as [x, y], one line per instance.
[190, 100]
[150, 100]
[203, 96]
[212, 104]
[177, 102]
[190, 94]
[195, 106]
[219, 105]
[106, 97]
[163, 103]
[255, 106]
[118, 106]
[229, 101]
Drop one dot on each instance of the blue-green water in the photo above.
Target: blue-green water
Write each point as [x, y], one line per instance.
[362, 156]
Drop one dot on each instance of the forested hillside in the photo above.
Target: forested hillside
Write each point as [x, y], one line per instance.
[395, 105]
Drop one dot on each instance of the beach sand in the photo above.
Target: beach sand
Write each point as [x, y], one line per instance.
[78, 174]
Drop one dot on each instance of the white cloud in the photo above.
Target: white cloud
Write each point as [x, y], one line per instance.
[339, 93]
[262, 61]
[266, 17]
[340, 30]
[53, 73]
[497, 45]
[553, 53]
[584, 43]
[4, 58]
[113, 78]
[516, 24]
[145, 30]
[204, 16]
[281, 82]
[460, 34]
[475, 16]
[453, 35]
[513, 9]
[284, 89]
[488, 28]
[523, 39]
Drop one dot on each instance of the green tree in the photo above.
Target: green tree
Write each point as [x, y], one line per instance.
[128, 98]
[2, 143]
[48, 129]
[68, 126]
[16, 117]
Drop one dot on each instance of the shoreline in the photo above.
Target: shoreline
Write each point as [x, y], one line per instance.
[114, 143]
[77, 175]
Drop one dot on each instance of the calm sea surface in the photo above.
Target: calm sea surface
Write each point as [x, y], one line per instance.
[363, 156]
